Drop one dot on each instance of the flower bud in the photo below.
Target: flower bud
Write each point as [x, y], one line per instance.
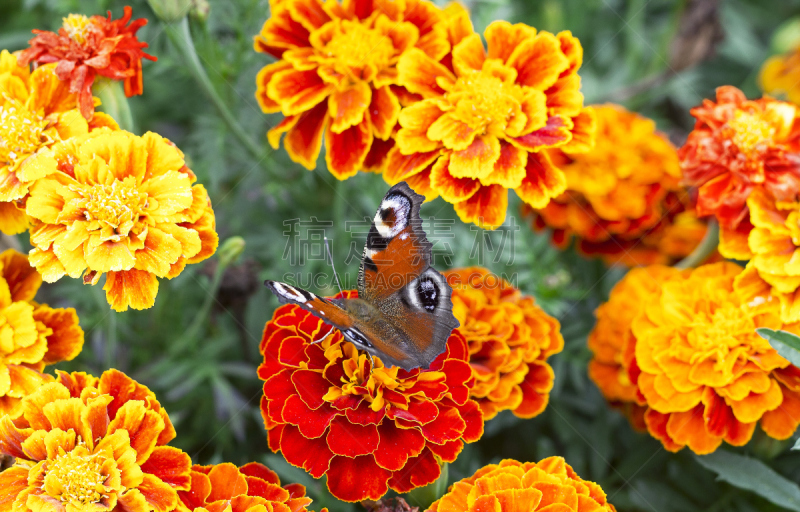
[170, 11]
[230, 250]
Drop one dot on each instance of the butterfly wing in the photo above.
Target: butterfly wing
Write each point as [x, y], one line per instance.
[325, 309]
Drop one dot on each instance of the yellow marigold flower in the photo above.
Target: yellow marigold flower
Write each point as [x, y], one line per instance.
[36, 111]
[337, 74]
[84, 443]
[698, 364]
[550, 485]
[613, 344]
[623, 200]
[780, 75]
[486, 117]
[32, 335]
[116, 203]
[509, 338]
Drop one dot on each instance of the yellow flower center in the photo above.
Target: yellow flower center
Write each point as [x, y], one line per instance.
[356, 46]
[76, 477]
[750, 132]
[77, 26]
[723, 337]
[21, 133]
[117, 206]
[486, 103]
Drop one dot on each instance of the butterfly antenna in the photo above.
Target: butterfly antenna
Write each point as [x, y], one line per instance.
[330, 255]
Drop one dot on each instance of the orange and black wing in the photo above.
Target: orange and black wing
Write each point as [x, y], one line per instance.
[324, 309]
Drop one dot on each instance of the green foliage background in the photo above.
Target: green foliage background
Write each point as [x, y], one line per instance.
[635, 53]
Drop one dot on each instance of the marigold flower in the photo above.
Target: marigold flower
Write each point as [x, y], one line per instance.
[738, 146]
[780, 74]
[32, 335]
[486, 117]
[337, 74]
[252, 487]
[84, 443]
[116, 203]
[549, 485]
[697, 362]
[509, 339]
[329, 411]
[623, 201]
[85, 47]
[36, 111]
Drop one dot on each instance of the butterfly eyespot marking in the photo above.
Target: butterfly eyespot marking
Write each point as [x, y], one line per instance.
[393, 215]
[356, 336]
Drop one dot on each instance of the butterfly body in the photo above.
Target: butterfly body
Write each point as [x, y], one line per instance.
[403, 313]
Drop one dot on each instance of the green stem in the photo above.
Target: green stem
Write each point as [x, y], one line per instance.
[114, 102]
[111, 342]
[181, 37]
[702, 251]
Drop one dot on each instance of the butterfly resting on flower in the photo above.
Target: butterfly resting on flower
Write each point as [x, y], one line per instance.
[403, 313]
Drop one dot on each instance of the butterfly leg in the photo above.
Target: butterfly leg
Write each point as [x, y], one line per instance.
[371, 361]
[324, 337]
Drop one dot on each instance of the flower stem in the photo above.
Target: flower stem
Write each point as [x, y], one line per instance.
[114, 102]
[702, 251]
[181, 37]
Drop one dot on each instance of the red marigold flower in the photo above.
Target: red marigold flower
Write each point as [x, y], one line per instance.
[486, 116]
[549, 485]
[242, 489]
[84, 443]
[623, 201]
[85, 47]
[739, 145]
[368, 428]
[337, 74]
[509, 339]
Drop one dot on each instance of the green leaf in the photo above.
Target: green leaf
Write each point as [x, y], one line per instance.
[753, 475]
[786, 343]
[796, 445]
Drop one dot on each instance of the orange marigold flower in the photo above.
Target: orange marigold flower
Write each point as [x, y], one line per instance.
[737, 146]
[697, 362]
[337, 74]
[623, 200]
[509, 339]
[252, 487]
[486, 117]
[116, 203]
[32, 335]
[549, 485]
[613, 344]
[780, 74]
[36, 111]
[84, 443]
[85, 47]
[368, 428]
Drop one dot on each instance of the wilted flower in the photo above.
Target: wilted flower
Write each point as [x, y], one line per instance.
[550, 485]
[85, 47]
[36, 111]
[486, 117]
[337, 74]
[32, 335]
[84, 443]
[116, 203]
[252, 487]
[368, 428]
[509, 339]
[623, 200]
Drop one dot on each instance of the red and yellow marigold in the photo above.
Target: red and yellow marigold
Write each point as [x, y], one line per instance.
[509, 339]
[486, 117]
[86, 47]
[780, 75]
[698, 365]
[84, 443]
[36, 111]
[623, 200]
[32, 335]
[368, 428]
[337, 74]
[114, 203]
[250, 488]
[739, 146]
[549, 485]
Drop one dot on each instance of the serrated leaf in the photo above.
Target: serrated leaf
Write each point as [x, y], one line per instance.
[753, 475]
[786, 343]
